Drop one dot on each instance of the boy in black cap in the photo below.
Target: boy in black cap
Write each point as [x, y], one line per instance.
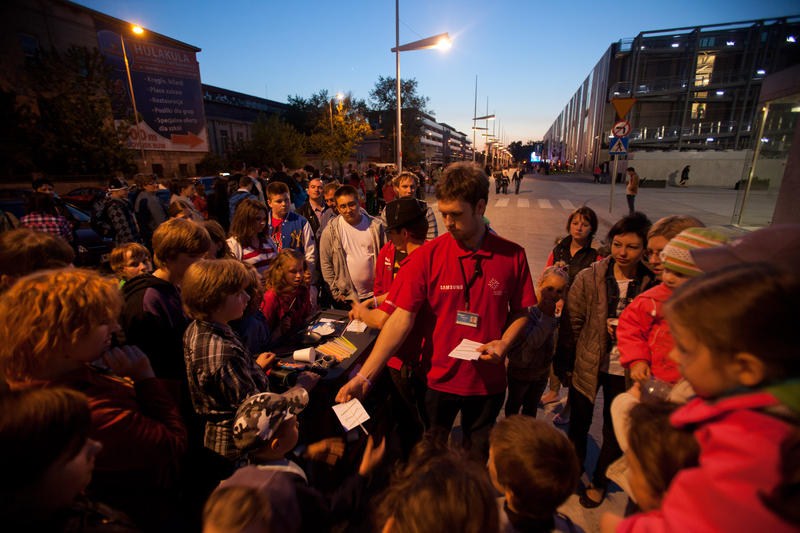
[406, 229]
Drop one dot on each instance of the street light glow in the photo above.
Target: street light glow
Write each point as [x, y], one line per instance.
[138, 30]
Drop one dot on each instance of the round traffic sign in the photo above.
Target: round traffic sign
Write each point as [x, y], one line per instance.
[621, 128]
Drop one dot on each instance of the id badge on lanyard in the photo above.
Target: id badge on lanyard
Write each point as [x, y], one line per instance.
[465, 317]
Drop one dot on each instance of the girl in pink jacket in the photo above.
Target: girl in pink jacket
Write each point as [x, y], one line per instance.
[736, 343]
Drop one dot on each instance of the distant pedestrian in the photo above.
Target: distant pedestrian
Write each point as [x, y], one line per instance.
[684, 176]
[596, 173]
[632, 189]
[517, 180]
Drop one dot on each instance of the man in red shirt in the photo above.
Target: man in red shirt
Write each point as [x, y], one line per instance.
[478, 287]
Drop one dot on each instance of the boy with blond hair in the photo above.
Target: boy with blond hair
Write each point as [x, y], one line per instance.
[130, 260]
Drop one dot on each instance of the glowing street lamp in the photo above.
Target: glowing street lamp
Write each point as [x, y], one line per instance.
[138, 31]
[441, 41]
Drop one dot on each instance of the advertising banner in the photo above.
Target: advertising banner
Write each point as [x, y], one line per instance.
[166, 86]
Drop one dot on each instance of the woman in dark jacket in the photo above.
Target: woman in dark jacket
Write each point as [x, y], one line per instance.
[597, 297]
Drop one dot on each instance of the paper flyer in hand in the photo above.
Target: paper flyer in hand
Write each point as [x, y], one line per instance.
[351, 414]
[467, 350]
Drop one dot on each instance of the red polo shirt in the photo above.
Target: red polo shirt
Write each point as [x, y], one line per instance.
[432, 278]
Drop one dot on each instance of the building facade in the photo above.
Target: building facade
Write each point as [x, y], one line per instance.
[231, 115]
[696, 92]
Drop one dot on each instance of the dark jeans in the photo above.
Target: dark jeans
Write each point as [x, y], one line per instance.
[408, 402]
[525, 394]
[631, 199]
[478, 414]
[581, 421]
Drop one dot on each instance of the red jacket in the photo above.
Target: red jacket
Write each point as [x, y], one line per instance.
[740, 452]
[643, 334]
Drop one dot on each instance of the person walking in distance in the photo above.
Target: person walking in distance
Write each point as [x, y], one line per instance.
[684, 176]
[632, 189]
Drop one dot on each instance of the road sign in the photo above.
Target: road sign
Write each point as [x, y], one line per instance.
[623, 105]
[619, 146]
[621, 129]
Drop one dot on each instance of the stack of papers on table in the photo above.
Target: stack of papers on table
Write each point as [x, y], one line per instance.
[340, 348]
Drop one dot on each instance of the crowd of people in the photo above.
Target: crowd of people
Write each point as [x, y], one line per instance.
[147, 399]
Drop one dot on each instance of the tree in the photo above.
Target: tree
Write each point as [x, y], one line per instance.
[383, 101]
[383, 97]
[339, 131]
[67, 117]
[522, 152]
[273, 141]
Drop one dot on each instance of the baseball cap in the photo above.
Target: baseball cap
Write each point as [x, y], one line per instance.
[116, 184]
[676, 255]
[778, 245]
[403, 211]
[260, 415]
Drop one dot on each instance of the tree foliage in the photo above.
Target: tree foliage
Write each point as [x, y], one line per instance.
[522, 152]
[273, 141]
[67, 118]
[383, 100]
[334, 126]
[383, 97]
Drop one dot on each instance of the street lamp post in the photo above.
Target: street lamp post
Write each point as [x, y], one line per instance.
[137, 30]
[441, 41]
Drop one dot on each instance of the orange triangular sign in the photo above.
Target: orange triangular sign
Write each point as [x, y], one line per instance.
[623, 105]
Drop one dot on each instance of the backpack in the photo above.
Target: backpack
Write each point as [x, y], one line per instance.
[99, 219]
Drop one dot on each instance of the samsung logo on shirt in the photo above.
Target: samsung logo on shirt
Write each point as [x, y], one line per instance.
[451, 287]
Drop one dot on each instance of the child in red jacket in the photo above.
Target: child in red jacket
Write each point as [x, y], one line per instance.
[736, 343]
[642, 334]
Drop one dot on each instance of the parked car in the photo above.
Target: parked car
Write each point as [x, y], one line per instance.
[91, 250]
[84, 197]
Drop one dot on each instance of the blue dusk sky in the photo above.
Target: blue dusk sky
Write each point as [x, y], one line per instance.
[529, 56]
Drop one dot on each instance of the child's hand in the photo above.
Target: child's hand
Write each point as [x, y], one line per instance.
[640, 371]
[372, 456]
[265, 359]
[307, 278]
[328, 451]
[129, 362]
[548, 307]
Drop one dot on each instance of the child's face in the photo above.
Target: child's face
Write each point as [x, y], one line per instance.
[580, 228]
[655, 245]
[672, 279]
[68, 477]
[279, 203]
[709, 377]
[94, 343]
[642, 491]
[232, 307]
[135, 266]
[286, 436]
[552, 288]
[627, 249]
[294, 274]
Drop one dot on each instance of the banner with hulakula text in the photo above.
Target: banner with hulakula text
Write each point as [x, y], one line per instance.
[167, 89]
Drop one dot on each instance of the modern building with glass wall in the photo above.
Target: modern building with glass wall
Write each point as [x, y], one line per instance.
[697, 100]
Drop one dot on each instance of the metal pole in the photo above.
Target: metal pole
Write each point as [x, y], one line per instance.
[133, 101]
[397, 73]
[474, 114]
[613, 179]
